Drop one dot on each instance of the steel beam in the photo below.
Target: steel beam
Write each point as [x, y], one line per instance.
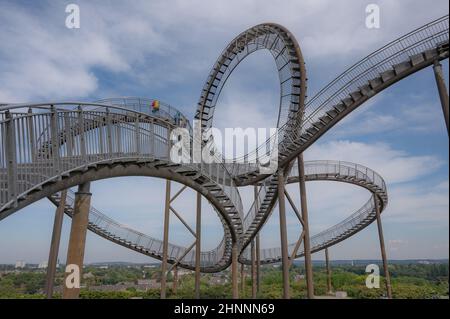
[383, 249]
[257, 244]
[283, 235]
[253, 268]
[165, 241]
[54, 246]
[198, 229]
[77, 241]
[242, 281]
[234, 271]
[258, 264]
[175, 280]
[296, 247]
[306, 239]
[442, 88]
[327, 262]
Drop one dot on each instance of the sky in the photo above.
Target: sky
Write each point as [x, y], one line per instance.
[165, 49]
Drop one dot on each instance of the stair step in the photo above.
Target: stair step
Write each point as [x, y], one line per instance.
[332, 113]
[402, 67]
[430, 54]
[374, 83]
[387, 75]
[356, 95]
[340, 107]
[325, 119]
[347, 102]
[417, 59]
[367, 90]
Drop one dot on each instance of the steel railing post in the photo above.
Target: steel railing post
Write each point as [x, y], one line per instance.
[31, 135]
[11, 153]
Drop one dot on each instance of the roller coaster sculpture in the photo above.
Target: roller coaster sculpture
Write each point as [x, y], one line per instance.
[47, 148]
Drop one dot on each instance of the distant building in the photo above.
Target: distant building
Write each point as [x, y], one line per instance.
[144, 284]
[183, 272]
[341, 294]
[216, 280]
[20, 264]
[43, 265]
[88, 275]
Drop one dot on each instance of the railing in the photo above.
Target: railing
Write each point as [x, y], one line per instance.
[75, 136]
[361, 218]
[323, 170]
[427, 37]
[418, 41]
[143, 105]
[129, 237]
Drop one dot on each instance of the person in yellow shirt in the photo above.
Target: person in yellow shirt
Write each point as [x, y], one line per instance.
[155, 106]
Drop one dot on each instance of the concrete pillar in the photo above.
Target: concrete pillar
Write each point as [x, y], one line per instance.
[383, 249]
[283, 235]
[77, 241]
[306, 239]
[165, 241]
[54, 246]
[442, 88]
[327, 262]
[253, 268]
[234, 271]
[198, 245]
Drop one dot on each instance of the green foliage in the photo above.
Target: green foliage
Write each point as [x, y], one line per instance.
[409, 281]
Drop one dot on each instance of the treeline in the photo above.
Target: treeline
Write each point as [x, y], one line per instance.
[418, 281]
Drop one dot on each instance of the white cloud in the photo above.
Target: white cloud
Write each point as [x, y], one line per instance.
[415, 203]
[395, 166]
[160, 43]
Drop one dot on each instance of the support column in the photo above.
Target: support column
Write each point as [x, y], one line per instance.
[257, 243]
[383, 249]
[306, 239]
[327, 261]
[258, 265]
[165, 241]
[198, 245]
[54, 246]
[253, 268]
[175, 280]
[77, 241]
[443, 94]
[283, 235]
[242, 281]
[234, 271]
